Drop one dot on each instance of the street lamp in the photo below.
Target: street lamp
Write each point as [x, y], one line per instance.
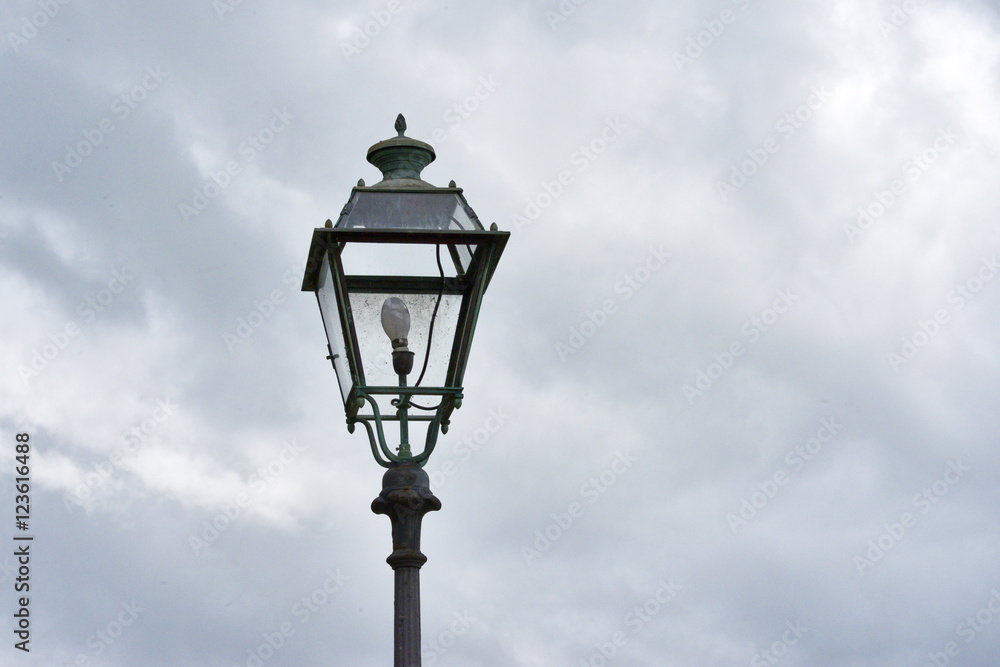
[399, 280]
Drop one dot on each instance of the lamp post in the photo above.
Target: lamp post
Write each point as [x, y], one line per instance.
[399, 280]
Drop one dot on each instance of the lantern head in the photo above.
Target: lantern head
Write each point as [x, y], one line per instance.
[400, 279]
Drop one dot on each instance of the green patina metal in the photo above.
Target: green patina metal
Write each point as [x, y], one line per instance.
[401, 210]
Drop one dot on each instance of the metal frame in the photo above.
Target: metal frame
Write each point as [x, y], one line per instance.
[329, 243]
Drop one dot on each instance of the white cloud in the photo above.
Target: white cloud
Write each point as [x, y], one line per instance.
[876, 212]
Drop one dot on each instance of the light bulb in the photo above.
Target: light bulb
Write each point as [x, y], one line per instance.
[396, 321]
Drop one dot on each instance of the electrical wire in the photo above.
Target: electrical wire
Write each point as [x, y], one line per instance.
[430, 331]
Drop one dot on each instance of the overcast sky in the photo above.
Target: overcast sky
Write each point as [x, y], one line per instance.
[733, 394]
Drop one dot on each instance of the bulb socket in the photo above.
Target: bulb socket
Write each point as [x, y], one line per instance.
[402, 361]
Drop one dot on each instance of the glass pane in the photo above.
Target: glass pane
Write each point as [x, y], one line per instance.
[407, 210]
[462, 256]
[403, 259]
[327, 297]
[376, 348]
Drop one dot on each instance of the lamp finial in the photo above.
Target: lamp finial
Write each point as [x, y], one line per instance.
[401, 159]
